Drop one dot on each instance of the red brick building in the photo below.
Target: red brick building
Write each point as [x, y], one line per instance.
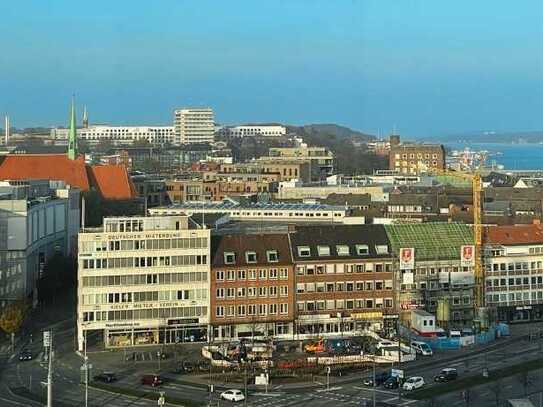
[344, 278]
[252, 286]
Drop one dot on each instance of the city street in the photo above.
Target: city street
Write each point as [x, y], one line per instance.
[344, 391]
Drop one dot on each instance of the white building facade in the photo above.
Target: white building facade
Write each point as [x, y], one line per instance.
[251, 131]
[120, 134]
[144, 281]
[37, 221]
[194, 125]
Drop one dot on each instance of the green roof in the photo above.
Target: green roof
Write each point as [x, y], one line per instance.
[453, 181]
[431, 241]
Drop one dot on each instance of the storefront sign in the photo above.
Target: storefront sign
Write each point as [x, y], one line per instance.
[185, 321]
[523, 308]
[407, 258]
[391, 316]
[370, 315]
[467, 256]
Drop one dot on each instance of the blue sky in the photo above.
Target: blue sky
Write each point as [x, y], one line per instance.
[427, 67]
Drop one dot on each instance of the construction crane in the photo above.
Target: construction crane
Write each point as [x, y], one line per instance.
[480, 311]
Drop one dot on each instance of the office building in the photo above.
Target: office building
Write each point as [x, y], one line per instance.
[194, 125]
[38, 219]
[144, 281]
[513, 257]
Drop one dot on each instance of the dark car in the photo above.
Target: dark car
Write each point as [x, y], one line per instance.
[151, 380]
[392, 383]
[25, 355]
[446, 375]
[380, 378]
[106, 377]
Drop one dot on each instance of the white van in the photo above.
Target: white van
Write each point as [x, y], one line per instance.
[455, 334]
[421, 348]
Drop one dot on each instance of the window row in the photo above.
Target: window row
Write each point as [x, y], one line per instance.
[252, 292]
[313, 269]
[142, 279]
[150, 261]
[251, 310]
[328, 305]
[513, 281]
[517, 296]
[341, 250]
[253, 274]
[272, 256]
[339, 286]
[153, 244]
[152, 313]
[534, 265]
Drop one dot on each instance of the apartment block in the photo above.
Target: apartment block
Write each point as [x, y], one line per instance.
[513, 258]
[320, 159]
[344, 279]
[194, 125]
[143, 281]
[252, 286]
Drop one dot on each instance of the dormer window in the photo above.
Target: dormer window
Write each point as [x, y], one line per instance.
[304, 251]
[362, 249]
[229, 258]
[272, 256]
[250, 257]
[381, 249]
[323, 250]
[342, 250]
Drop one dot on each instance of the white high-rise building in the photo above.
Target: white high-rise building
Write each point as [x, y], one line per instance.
[194, 125]
[143, 281]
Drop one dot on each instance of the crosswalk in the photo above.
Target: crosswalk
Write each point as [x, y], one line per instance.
[323, 397]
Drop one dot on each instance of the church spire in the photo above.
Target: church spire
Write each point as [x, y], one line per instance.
[72, 137]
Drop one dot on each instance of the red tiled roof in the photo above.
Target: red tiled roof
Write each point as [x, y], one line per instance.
[112, 181]
[45, 166]
[512, 235]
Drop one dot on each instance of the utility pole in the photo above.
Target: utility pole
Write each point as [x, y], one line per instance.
[374, 384]
[86, 366]
[50, 373]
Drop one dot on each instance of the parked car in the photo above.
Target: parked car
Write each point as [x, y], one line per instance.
[413, 383]
[153, 380]
[232, 395]
[25, 355]
[106, 377]
[380, 378]
[446, 375]
[392, 383]
[422, 348]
